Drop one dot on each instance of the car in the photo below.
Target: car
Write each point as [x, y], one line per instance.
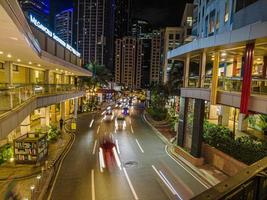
[120, 123]
[125, 110]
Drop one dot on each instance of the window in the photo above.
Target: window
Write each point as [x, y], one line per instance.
[171, 36]
[212, 22]
[226, 11]
[177, 36]
[15, 68]
[189, 21]
[1, 65]
[217, 20]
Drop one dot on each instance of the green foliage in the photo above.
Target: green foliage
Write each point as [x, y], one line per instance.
[172, 116]
[53, 133]
[158, 114]
[6, 152]
[244, 149]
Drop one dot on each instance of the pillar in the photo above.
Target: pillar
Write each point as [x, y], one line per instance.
[75, 107]
[25, 126]
[45, 118]
[8, 66]
[62, 110]
[186, 70]
[234, 72]
[182, 120]
[225, 115]
[53, 113]
[67, 108]
[264, 67]
[62, 78]
[247, 77]
[197, 135]
[202, 72]
[214, 79]
[242, 122]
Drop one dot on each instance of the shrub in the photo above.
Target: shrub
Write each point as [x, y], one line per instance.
[6, 152]
[158, 114]
[53, 133]
[244, 149]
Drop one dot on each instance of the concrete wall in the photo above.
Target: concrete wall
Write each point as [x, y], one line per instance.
[221, 161]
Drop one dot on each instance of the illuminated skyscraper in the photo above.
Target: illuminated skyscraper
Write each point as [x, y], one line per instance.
[64, 25]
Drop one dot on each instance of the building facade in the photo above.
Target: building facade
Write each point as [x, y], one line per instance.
[224, 69]
[155, 58]
[171, 38]
[128, 62]
[64, 25]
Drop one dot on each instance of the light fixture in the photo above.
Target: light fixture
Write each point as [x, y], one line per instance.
[212, 58]
[39, 65]
[18, 60]
[1, 52]
[258, 59]
[223, 60]
[9, 55]
[13, 38]
[223, 54]
[56, 69]
[30, 63]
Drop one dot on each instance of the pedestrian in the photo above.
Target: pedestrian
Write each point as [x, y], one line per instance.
[61, 124]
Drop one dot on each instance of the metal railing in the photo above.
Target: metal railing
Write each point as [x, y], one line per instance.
[249, 184]
[12, 96]
[193, 81]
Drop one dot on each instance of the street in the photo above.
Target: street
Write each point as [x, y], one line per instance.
[147, 172]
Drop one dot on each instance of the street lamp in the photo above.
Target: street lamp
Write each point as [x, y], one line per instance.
[38, 181]
[32, 192]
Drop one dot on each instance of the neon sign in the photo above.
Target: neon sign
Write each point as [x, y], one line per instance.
[35, 22]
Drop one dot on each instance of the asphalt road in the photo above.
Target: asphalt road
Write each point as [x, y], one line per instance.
[146, 172]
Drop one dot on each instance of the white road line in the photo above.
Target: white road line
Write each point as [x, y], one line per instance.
[132, 129]
[118, 148]
[93, 183]
[130, 184]
[94, 147]
[139, 146]
[103, 113]
[91, 124]
[180, 164]
[97, 132]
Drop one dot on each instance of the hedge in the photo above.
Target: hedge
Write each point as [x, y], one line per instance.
[244, 149]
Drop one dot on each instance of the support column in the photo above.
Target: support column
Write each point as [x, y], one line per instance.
[202, 72]
[242, 122]
[234, 71]
[53, 114]
[214, 81]
[186, 70]
[75, 107]
[247, 77]
[264, 67]
[182, 121]
[44, 122]
[62, 110]
[197, 135]
[225, 115]
[67, 108]
[9, 72]
[25, 126]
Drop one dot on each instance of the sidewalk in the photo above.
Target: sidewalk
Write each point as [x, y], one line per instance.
[207, 172]
[25, 175]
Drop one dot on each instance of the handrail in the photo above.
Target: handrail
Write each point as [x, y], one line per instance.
[239, 184]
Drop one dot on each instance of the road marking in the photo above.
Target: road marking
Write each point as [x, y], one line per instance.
[93, 183]
[139, 146]
[97, 132]
[94, 147]
[132, 129]
[116, 157]
[91, 124]
[166, 182]
[118, 148]
[130, 184]
[103, 113]
[101, 160]
[180, 164]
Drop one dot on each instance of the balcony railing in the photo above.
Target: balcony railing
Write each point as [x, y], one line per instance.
[193, 81]
[12, 96]
[232, 84]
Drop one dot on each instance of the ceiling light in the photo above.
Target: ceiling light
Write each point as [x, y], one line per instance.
[258, 59]
[223, 54]
[1, 52]
[9, 55]
[223, 60]
[30, 63]
[18, 60]
[39, 65]
[212, 58]
[56, 69]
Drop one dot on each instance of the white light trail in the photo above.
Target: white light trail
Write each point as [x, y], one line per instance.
[130, 184]
[141, 149]
[101, 160]
[97, 132]
[116, 157]
[94, 147]
[132, 129]
[93, 184]
[118, 148]
[91, 124]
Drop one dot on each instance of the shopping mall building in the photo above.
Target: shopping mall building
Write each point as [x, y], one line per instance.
[38, 74]
[224, 69]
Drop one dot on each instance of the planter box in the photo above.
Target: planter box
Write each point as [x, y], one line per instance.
[187, 156]
[221, 161]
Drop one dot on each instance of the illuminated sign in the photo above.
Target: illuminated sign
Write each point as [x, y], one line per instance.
[34, 21]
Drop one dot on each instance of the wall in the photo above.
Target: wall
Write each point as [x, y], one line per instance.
[221, 161]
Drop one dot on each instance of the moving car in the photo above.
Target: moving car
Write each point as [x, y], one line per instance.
[120, 123]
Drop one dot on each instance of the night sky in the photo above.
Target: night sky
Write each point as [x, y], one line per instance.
[158, 13]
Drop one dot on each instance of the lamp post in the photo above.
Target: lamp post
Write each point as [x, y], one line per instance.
[32, 192]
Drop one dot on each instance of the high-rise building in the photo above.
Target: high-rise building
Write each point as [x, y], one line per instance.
[155, 58]
[38, 8]
[91, 30]
[187, 22]
[123, 16]
[64, 25]
[171, 38]
[128, 61]
[141, 28]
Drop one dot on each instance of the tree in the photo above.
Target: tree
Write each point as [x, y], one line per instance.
[175, 78]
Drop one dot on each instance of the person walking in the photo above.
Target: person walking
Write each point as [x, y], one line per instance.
[61, 124]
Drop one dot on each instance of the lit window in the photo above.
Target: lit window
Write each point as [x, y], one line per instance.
[226, 12]
[189, 21]
[218, 20]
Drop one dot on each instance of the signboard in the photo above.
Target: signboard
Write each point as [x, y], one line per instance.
[73, 126]
[36, 23]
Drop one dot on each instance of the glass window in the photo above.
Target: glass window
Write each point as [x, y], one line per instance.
[1, 65]
[226, 11]
[189, 21]
[15, 68]
[171, 36]
[218, 20]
